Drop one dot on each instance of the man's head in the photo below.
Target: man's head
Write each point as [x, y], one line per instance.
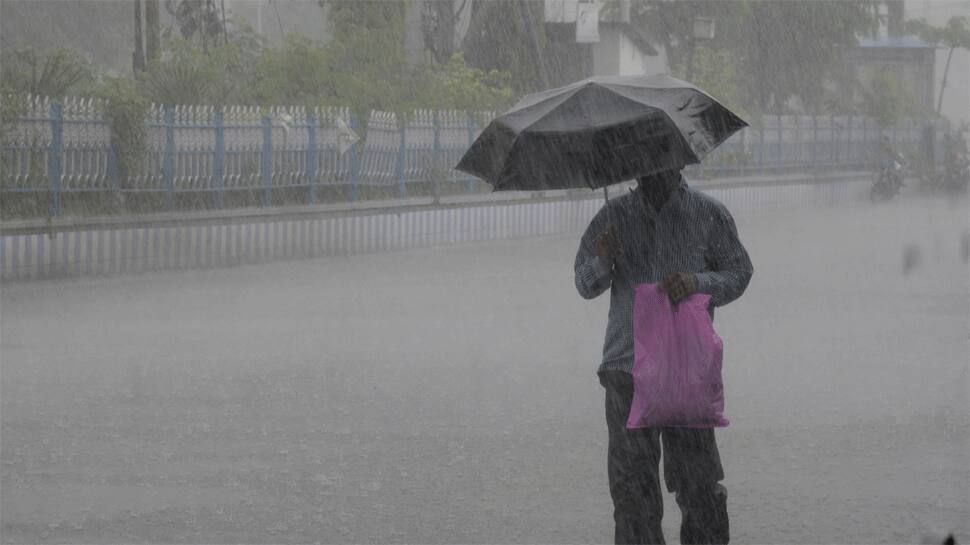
[656, 189]
[667, 179]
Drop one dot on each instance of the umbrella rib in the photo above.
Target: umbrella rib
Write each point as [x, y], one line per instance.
[588, 120]
[717, 141]
[687, 87]
[663, 112]
[562, 97]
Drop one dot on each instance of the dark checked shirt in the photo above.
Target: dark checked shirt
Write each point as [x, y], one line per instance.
[692, 232]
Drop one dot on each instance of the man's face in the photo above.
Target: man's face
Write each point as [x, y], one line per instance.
[666, 177]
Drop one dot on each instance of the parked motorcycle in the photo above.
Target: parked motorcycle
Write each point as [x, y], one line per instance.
[956, 177]
[953, 178]
[888, 182]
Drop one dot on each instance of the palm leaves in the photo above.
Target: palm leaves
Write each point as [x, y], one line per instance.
[177, 83]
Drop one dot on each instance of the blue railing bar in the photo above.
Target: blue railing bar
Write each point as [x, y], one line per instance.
[311, 159]
[218, 170]
[54, 159]
[266, 161]
[168, 166]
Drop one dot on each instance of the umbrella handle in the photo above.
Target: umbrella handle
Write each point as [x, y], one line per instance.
[606, 202]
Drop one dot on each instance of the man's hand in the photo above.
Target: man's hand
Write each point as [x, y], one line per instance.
[608, 245]
[679, 286]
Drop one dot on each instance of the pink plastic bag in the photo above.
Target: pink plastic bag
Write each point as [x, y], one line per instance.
[677, 363]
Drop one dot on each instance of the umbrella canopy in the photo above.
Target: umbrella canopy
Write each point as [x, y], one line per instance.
[597, 132]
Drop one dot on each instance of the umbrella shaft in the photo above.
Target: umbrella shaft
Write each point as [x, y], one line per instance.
[606, 200]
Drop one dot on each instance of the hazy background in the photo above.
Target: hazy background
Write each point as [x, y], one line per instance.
[448, 394]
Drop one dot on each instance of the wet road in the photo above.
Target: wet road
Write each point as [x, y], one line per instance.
[448, 395]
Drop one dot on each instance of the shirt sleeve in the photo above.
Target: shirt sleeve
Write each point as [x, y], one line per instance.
[593, 273]
[730, 267]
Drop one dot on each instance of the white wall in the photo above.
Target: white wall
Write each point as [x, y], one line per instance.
[606, 53]
[632, 60]
[617, 54]
[956, 97]
[656, 64]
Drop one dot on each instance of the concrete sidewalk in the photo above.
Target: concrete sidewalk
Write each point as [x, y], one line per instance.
[46, 225]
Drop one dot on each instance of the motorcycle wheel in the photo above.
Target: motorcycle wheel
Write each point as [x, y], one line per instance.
[875, 194]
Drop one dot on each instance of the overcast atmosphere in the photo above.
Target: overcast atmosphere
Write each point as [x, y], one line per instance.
[484, 271]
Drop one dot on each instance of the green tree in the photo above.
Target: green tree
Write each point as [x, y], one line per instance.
[47, 72]
[885, 98]
[298, 72]
[711, 64]
[672, 25]
[366, 54]
[457, 86]
[780, 49]
[438, 21]
[226, 73]
[954, 35]
[185, 76]
[498, 38]
[126, 111]
[793, 49]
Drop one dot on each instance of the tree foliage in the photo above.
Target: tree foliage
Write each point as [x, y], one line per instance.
[497, 39]
[955, 33]
[366, 54]
[125, 111]
[457, 86]
[47, 72]
[366, 67]
[186, 75]
[671, 24]
[438, 21]
[793, 48]
[779, 49]
[362, 66]
[885, 98]
[298, 72]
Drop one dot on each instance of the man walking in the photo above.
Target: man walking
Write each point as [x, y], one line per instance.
[663, 232]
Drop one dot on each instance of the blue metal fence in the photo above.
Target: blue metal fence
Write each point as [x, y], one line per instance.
[64, 147]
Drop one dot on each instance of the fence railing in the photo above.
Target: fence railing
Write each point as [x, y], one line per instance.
[60, 152]
[41, 248]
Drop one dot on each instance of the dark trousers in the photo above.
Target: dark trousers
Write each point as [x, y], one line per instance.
[692, 469]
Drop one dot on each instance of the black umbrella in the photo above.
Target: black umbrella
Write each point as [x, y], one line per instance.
[597, 132]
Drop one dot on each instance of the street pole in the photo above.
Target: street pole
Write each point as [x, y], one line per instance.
[946, 69]
[138, 57]
[690, 57]
[534, 39]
